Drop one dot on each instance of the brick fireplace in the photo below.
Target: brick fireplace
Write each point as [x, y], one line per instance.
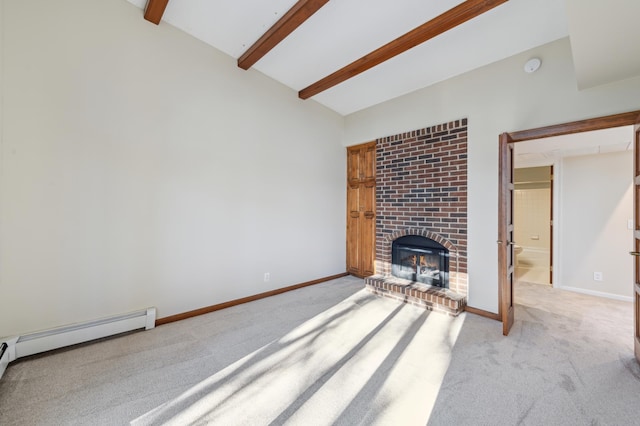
[421, 190]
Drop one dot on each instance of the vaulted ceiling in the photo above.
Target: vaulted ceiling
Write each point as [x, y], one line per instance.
[352, 54]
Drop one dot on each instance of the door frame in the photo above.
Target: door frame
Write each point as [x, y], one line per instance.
[551, 223]
[505, 286]
[636, 239]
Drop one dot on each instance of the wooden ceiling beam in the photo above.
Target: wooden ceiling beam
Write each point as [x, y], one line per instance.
[154, 10]
[291, 20]
[440, 24]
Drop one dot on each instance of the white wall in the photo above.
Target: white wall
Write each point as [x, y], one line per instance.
[593, 223]
[140, 167]
[497, 98]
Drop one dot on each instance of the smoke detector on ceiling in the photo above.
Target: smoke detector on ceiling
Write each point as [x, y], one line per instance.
[532, 65]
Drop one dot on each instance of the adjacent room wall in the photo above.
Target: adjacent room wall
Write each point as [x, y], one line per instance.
[141, 167]
[497, 98]
[593, 223]
[532, 224]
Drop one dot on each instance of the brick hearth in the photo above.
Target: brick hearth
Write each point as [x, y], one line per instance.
[418, 294]
[421, 181]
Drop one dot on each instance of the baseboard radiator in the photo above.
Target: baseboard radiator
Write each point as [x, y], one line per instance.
[55, 338]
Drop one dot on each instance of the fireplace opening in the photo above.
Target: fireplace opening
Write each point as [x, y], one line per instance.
[420, 259]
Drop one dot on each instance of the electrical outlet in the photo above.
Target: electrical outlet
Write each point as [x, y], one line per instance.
[597, 276]
[267, 277]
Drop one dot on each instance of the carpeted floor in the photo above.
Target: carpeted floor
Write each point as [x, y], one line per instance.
[567, 361]
[334, 354]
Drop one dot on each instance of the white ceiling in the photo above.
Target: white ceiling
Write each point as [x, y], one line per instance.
[542, 152]
[343, 31]
[593, 53]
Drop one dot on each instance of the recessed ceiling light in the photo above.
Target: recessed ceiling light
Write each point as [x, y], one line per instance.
[532, 65]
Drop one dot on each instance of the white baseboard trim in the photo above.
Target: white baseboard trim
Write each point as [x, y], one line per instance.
[596, 293]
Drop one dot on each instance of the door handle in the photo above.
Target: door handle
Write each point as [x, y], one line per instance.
[634, 253]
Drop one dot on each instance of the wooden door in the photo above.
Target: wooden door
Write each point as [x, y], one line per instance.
[636, 238]
[369, 162]
[506, 262]
[361, 208]
[354, 228]
[368, 218]
[354, 164]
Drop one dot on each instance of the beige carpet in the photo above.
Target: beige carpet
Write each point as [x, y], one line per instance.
[567, 361]
[334, 354]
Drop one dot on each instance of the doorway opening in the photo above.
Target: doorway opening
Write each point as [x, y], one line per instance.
[506, 239]
[533, 221]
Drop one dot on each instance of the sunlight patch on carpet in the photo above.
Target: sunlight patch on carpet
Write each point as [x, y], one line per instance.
[366, 359]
